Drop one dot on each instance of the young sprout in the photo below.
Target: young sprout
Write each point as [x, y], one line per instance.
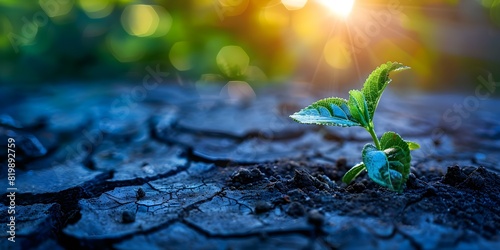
[387, 160]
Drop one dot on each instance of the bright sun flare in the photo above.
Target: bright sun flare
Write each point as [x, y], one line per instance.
[341, 8]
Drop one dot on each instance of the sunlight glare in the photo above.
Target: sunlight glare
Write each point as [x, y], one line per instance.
[341, 8]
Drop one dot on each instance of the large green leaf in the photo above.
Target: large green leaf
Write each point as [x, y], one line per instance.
[376, 82]
[353, 173]
[329, 111]
[378, 167]
[397, 150]
[390, 166]
[359, 108]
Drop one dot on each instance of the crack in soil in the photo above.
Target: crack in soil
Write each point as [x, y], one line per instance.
[459, 201]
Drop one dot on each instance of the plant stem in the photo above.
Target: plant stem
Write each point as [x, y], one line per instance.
[371, 130]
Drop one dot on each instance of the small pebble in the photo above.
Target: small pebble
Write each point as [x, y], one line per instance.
[262, 207]
[341, 163]
[140, 193]
[295, 209]
[128, 217]
[245, 176]
[413, 170]
[328, 181]
[314, 217]
[280, 186]
[467, 170]
[412, 182]
[430, 191]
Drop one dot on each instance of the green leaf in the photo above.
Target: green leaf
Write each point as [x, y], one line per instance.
[397, 150]
[376, 82]
[329, 111]
[358, 107]
[353, 173]
[378, 168]
[389, 167]
[413, 145]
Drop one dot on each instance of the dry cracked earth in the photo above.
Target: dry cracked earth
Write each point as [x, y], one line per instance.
[184, 168]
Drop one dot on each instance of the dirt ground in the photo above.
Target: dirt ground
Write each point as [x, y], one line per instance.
[184, 168]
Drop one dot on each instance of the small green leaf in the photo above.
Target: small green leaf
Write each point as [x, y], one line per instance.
[358, 107]
[378, 169]
[413, 145]
[389, 167]
[329, 111]
[353, 173]
[397, 151]
[376, 82]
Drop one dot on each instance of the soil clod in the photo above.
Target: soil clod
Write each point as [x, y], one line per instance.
[295, 209]
[262, 207]
[140, 193]
[246, 176]
[315, 218]
[128, 217]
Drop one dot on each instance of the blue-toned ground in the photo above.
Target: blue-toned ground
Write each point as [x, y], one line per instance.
[185, 168]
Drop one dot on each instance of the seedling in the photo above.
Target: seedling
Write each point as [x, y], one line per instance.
[387, 160]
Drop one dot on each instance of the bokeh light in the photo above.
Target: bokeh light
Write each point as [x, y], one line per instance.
[96, 8]
[294, 4]
[233, 61]
[301, 24]
[286, 40]
[165, 21]
[237, 91]
[495, 11]
[274, 17]
[180, 56]
[337, 54]
[231, 7]
[56, 8]
[255, 74]
[145, 20]
[125, 49]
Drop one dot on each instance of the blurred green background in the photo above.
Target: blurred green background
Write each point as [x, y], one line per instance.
[318, 43]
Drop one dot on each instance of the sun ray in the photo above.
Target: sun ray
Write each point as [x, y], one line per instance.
[322, 57]
[353, 55]
[359, 39]
[341, 8]
[373, 6]
[401, 34]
